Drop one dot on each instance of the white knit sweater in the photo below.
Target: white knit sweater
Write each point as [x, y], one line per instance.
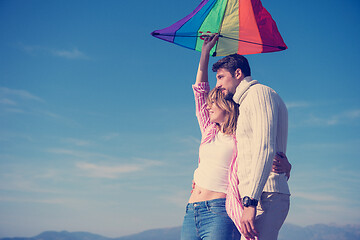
[261, 132]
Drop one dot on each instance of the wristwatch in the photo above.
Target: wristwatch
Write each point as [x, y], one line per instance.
[246, 201]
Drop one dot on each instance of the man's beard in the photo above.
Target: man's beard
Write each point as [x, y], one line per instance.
[229, 96]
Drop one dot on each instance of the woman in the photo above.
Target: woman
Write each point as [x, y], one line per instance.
[206, 214]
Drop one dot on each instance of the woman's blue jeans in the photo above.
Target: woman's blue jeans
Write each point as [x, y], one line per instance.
[208, 220]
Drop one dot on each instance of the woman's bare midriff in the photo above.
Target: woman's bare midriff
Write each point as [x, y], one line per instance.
[200, 194]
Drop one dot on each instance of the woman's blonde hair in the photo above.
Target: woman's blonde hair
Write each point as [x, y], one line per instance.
[216, 96]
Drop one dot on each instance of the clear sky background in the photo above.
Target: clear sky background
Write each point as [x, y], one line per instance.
[97, 124]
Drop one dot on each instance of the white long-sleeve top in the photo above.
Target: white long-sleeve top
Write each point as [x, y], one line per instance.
[261, 132]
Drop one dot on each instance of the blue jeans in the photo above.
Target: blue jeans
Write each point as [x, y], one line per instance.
[208, 220]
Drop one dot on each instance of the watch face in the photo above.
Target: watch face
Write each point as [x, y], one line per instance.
[246, 201]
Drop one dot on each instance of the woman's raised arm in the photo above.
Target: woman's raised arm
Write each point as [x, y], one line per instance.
[209, 43]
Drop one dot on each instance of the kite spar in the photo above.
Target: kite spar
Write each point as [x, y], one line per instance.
[244, 27]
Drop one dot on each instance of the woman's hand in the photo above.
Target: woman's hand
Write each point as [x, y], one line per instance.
[281, 164]
[209, 41]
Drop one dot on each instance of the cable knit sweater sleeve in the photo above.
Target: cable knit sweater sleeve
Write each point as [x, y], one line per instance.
[256, 135]
[263, 122]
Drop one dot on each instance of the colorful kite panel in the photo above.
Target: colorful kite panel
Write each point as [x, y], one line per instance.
[245, 27]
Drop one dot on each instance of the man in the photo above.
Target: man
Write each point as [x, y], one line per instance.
[261, 132]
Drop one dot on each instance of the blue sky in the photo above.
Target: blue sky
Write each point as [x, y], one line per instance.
[97, 125]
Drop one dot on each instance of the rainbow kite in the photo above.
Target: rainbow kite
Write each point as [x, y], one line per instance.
[244, 27]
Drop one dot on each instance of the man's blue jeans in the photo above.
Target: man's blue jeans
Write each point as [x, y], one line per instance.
[208, 220]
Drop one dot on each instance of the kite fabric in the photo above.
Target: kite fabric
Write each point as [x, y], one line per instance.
[244, 26]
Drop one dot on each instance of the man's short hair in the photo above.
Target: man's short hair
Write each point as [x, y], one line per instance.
[233, 62]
